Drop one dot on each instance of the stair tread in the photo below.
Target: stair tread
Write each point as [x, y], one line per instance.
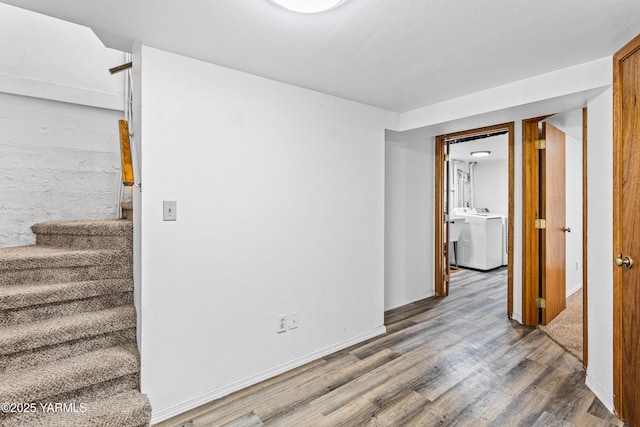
[37, 257]
[69, 374]
[106, 227]
[27, 336]
[26, 295]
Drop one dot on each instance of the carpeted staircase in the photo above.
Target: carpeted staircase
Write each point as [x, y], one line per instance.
[68, 354]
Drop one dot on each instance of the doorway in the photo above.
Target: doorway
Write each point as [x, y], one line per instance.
[451, 177]
[554, 228]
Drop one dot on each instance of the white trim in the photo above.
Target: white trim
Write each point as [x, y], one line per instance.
[517, 317]
[574, 290]
[605, 398]
[212, 395]
[400, 304]
[24, 86]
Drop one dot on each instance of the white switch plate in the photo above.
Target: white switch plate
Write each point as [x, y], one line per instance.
[169, 210]
[293, 320]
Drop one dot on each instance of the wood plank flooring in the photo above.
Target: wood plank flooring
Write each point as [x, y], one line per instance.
[455, 361]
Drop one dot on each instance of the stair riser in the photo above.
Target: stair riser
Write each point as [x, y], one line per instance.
[30, 358]
[45, 335]
[49, 311]
[66, 274]
[85, 242]
[127, 214]
[16, 297]
[100, 390]
[71, 377]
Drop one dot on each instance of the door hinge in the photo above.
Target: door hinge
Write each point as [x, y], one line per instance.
[446, 217]
[446, 278]
[541, 144]
[541, 303]
[446, 157]
[541, 224]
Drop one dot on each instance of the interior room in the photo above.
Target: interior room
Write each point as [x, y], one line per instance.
[478, 202]
[274, 256]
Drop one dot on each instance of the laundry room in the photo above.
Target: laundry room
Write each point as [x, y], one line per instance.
[478, 196]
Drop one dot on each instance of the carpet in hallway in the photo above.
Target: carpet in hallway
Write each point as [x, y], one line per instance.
[566, 328]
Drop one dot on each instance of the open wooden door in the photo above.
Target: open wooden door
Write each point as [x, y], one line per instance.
[626, 233]
[544, 244]
[553, 207]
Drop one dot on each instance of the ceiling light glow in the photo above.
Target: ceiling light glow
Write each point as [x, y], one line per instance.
[308, 6]
[480, 153]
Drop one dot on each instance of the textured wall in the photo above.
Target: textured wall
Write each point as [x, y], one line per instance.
[58, 161]
[59, 111]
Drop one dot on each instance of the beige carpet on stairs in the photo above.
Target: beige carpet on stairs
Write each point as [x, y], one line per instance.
[566, 328]
[68, 350]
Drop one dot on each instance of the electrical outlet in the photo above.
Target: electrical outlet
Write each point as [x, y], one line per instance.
[282, 323]
[169, 210]
[293, 320]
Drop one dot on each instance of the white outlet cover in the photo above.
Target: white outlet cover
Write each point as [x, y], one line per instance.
[282, 323]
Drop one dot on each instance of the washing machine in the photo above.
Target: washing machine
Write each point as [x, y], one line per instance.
[505, 230]
[480, 242]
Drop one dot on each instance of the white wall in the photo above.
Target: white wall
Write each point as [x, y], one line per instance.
[59, 109]
[600, 245]
[491, 188]
[573, 214]
[48, 58]
[408, 222]
[280, 194]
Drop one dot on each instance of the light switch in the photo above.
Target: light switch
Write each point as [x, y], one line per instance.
[169, 210]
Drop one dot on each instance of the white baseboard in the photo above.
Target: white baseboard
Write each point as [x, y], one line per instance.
[605, 398]
[574, 289]
[517, 317]
[212, 395]
[400, 304]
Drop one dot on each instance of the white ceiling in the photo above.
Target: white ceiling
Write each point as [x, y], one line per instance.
[498, 145]
[398, 55]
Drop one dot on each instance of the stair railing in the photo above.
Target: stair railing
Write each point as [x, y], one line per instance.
[125, 154]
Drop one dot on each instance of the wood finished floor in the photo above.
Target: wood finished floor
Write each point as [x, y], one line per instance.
[457, 361]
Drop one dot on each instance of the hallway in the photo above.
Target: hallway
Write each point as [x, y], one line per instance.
[453, 361]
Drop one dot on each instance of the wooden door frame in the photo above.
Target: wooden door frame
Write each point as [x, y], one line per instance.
[530, 237]
[632, 47]
[531, 256]
[439, 206]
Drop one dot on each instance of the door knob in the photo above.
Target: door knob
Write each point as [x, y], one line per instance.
[624, 262]
[567, 229]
